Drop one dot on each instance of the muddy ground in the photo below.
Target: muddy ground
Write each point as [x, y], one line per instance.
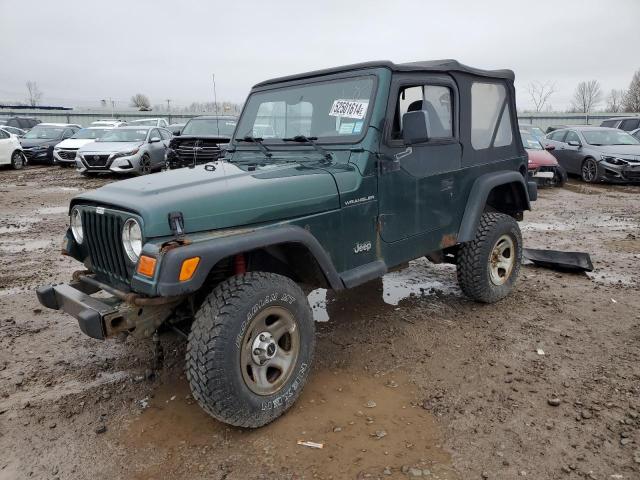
[461, 390]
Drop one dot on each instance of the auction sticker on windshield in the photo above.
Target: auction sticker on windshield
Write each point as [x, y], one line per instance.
[349, 108]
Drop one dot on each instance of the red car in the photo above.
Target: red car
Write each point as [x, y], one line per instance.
[543, 167]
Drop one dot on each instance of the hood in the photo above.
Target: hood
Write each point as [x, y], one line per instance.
[177, 140]
[227, 197]
[74, 142]
[623, 150]
[541, 158]
[110, 147]
[34, 142]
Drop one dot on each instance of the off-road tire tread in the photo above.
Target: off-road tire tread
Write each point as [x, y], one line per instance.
[471, 264]
[223, 305]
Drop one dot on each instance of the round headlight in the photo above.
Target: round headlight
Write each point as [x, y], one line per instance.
[76, 225]
[132, 239]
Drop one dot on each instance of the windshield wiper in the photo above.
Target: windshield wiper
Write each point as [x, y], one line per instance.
[311, 141]
[258, 142]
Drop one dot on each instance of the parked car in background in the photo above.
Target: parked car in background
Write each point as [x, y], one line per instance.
[636, 133]
[18, 132]
[129, 149]
[627, 124]
[24, 123]
[553, 128]
[38, 143]
[150, 122]
[537, 132]
[176, 128]
[543, 167]
[597, 153]
[11, 151]
[64, 153]
[202, 140]
[109, 123]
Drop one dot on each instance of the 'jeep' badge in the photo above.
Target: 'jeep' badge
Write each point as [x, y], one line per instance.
[362, 247]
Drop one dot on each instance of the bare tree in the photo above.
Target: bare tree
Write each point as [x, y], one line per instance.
[141, 102]
[540, 93]
[34, 95]
[586, 96]
[632, 98]
[614, 100]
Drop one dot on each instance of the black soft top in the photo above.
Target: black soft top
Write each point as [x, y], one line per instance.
[447, 65]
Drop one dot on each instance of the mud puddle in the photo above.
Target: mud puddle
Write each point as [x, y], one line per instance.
[365, 424]
[420, 278]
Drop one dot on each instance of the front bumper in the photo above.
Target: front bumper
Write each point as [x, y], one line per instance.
[619, 173]
[35, 155]
[57, 158]
[113, 164]
[548, 175]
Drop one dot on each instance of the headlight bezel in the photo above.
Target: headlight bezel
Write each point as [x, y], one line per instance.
[613, 160]
[75, 223]
[132, 246]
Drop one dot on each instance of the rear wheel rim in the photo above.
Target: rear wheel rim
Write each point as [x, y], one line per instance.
[18, 161]
[145, 165]
[270, 350]
[589, 171]
[502, 260]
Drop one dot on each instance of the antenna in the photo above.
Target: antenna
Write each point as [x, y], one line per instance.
[215, 103]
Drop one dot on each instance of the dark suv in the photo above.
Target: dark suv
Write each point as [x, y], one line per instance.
[627, 124]
[24, 123]
[367, 167]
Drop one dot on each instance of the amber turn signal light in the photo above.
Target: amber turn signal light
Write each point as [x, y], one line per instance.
[146, 266]
[188, 268]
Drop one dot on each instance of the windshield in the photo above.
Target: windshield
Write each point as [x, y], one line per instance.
[209, 126]
[151, 123]
[90, 133]
[529, 141]
[332, 111]
[125, 135]
[44, 133]
[609, 137]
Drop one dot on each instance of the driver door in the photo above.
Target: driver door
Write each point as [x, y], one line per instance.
[572, 154]
[416, 183]
[156, 149]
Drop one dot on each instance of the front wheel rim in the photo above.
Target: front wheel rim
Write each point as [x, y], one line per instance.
[18, 160]
[270, 350]
[589, 170]
[145, 165]
[502, 260]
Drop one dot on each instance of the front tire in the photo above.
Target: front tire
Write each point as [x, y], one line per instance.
[18, 160]
[250, 349]
[489, 265]
[144, 166]
[589, 171]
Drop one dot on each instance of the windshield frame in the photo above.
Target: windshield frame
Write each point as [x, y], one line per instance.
[616, 131]
[356, 74]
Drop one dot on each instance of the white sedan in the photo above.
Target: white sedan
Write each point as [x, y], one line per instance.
[11, 151]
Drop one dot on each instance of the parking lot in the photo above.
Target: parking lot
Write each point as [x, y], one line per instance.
[411, 379]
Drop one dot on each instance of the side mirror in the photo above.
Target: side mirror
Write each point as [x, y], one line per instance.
[154, 139]
[573, 143]
[415, 127]
[549, 147]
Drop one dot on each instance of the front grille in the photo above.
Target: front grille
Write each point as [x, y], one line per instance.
[28, 153]
[199, 151]
[104, 242]
[96, 160]
[68, 154]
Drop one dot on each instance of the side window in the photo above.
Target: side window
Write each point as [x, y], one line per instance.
[67, 133]
[3, 134]
[608, 123]
[572, 137]
[629, 124]
[435, 100]
[558, 135]
[165, 135]
[154, 133]
[490, 116]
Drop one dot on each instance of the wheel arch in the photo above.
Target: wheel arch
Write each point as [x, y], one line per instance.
[503, 191]
[287, 250]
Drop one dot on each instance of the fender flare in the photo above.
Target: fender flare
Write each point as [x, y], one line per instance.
[480, 192]
[213, 250]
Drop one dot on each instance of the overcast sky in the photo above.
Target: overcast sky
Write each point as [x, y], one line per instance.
[82, 51]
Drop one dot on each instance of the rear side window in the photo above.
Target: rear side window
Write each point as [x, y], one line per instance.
[3, 134]
[608, 123]
[490, 116]
[630, 124]
[558, 135]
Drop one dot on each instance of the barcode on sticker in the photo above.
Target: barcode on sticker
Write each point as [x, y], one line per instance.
[349, 108]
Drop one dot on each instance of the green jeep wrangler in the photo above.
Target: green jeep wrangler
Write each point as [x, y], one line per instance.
[331, 179]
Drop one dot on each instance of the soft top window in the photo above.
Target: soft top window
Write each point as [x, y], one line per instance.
[490, 116]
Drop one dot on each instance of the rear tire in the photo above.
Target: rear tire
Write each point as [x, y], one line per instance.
[589, 171]
[489, 265]
[18, 160]
[250, 349]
